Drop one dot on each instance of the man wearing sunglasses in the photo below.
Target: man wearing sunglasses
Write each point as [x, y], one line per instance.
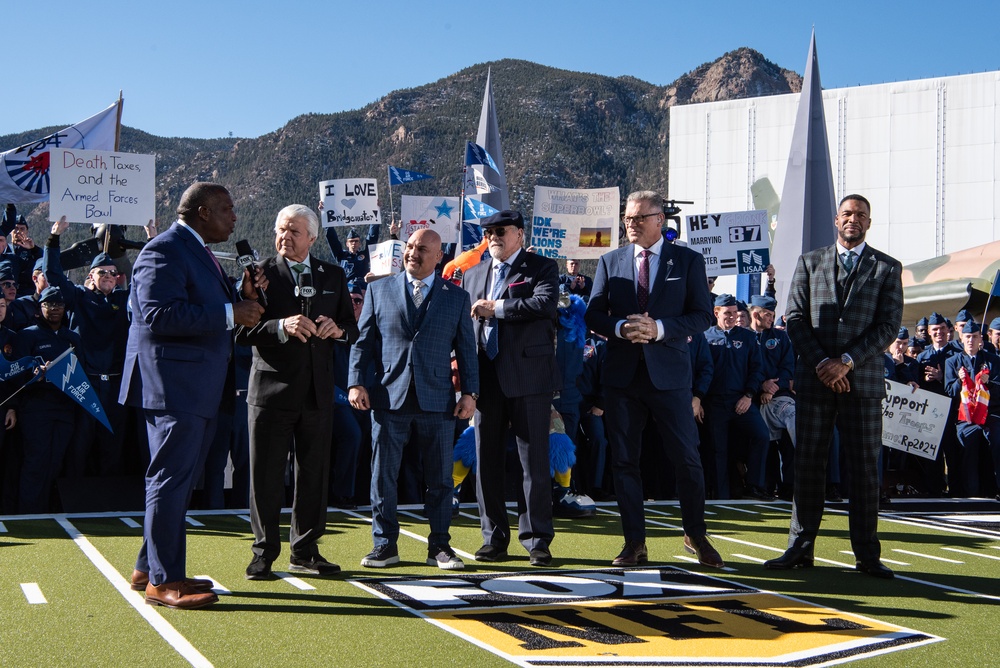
[100, 316]
[515, 297]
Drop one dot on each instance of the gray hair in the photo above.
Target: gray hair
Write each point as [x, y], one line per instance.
[651, 197]
[299, 211]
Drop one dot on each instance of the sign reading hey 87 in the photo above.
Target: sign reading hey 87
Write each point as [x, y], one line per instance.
[731, 243]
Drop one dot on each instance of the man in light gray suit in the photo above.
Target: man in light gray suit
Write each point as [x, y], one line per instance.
[410, 324]
[845, 306]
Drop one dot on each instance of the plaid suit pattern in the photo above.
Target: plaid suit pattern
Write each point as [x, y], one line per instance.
[861, 322]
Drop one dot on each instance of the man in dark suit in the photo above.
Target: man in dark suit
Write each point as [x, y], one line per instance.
[410, 324]
[845, 305]
[291, 393]
[649, 297]
[514, 309]
[176, 363]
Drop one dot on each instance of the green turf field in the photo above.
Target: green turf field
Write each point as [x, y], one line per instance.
[65, 601]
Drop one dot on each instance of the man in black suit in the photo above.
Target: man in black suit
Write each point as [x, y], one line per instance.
[514, 307]
[291, 392]
[845, 305]
[650, 297]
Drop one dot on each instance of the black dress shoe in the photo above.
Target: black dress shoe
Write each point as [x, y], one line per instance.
[875, 568]
[314, 564]
[633, 553]
[799, 555]
[259, 569]
[540, 557]
[491, 553]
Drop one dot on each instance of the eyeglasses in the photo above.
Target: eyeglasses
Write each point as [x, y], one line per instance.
[495, 232]
[358, 300]
[53, 306]
[108, 272]
[8, 284]
[635, 220]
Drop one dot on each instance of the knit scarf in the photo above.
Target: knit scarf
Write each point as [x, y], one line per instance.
[975, 398]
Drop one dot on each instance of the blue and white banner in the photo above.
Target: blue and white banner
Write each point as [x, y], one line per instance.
[66, 373]
[24, 171]
[477, 155]
[475, 209]
[9, 369]
[398, 177]
[436, 213]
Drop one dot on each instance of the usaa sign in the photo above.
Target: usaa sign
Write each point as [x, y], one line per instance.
[639, 617]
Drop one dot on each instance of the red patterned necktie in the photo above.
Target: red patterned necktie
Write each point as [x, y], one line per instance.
[643, 292]
[215, 261]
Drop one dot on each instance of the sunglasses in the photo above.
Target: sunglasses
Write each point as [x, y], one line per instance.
[8, 284]
[108, 272]
[358, 300]
[495, 232]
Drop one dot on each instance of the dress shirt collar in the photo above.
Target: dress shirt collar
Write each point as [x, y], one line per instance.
[857, 250]
[201, 242]
[509, 261]
[655, 249]
[291, 262]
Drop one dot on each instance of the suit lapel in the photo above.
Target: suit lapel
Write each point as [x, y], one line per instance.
[397, 300]
[517, 270]
[201, 252]
[828, 274]
[626, 268]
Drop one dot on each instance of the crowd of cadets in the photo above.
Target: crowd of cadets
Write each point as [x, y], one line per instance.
[743, 397]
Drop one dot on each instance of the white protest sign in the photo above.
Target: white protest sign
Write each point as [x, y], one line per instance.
[437, 213]
[578, 224]
[97, 187]
[731, 243]
[913, 421]
[387, 257]
[349, 202]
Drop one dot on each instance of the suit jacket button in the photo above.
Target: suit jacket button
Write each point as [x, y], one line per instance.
[841, 320]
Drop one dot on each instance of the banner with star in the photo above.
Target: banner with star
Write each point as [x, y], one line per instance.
[24, 171]
[440, 214]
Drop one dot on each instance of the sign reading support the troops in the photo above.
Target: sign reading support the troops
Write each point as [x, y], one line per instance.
[97, 187]
[577, 224]
[349, 202]
[731, 243]
[913, 421]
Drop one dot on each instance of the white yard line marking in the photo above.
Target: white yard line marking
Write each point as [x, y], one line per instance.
[245, 518]
[412, 535]
[756, 560]
[294, 581]
[888, 561]
[928, 556]
[130, 523]
[974, 554]
[739, 510]
[33, 592]
[216, 587]
[135, 599]
[3, 529]
[192, 521]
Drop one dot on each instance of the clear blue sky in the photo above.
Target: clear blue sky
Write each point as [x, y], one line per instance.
[207, 68]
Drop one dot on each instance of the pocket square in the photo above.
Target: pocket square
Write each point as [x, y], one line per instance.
[675, 278]
[520, 289]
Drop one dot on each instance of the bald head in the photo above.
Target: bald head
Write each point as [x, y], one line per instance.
[422, 253]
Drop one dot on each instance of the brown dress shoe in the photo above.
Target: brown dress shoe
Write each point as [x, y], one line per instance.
[632, 554]
[707, 555]
[140, 580]
[179, 595]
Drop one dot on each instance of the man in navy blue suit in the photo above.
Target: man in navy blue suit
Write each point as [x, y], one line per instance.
[648, 299]
[410, 324]
[176, 362]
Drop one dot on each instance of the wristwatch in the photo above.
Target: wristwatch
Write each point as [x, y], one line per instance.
[475, 397]
[846, 359]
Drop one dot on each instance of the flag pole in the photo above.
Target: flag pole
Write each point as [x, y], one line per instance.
[392, 208]
[118, 121]
[993, 289]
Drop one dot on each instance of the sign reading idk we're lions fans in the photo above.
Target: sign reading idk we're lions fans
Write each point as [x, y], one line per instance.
[658, 616]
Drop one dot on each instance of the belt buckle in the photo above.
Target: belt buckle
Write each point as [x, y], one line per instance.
[105, 377]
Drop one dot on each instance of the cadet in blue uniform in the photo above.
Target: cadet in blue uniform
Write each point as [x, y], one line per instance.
[47, 415]
[100, 316]
[356, 261]
[729, 402]
[930, 375]
[25, 311]
[978, 427]
[991, 340]
[776, 400]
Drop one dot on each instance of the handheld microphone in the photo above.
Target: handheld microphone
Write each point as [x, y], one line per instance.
[305, 291]
[246, 256]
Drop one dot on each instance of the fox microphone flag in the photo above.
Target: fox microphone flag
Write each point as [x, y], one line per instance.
[66, 373]
[398, 177]
[24, 171]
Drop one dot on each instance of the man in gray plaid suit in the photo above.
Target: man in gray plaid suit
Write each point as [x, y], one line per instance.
[845, 306]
